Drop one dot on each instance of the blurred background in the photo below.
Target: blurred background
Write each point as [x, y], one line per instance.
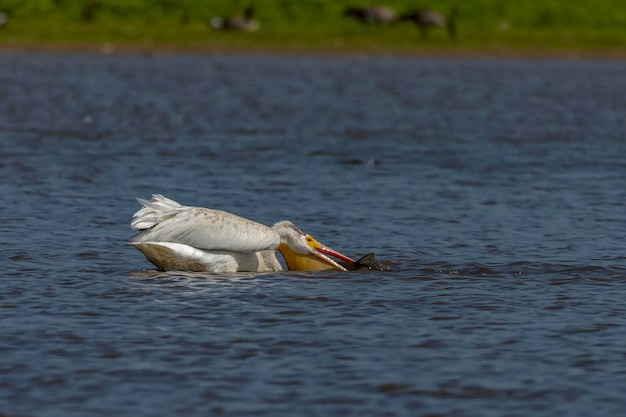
[494, 187]
[392, 25]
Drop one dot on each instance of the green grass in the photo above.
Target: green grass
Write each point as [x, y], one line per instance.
[595, 25]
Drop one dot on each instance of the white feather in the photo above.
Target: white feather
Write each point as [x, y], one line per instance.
[154, 211]
[180, 257]
[164, 220]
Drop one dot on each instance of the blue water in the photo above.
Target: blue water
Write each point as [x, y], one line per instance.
[494, 188]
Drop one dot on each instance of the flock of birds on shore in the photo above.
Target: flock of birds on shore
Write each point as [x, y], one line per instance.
[378, 15]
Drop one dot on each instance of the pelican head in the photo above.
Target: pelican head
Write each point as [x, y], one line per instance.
[303, 253]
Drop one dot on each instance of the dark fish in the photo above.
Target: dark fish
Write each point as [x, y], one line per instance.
[366, 262]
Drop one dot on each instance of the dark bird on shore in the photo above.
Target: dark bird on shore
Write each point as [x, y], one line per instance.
[4, 19]
[381, 15]
[245, 23]
[427, 19]
[89, 10]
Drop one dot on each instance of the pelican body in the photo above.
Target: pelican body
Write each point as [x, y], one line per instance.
[183, 238]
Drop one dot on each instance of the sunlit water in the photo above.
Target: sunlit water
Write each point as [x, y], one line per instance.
[495, 189]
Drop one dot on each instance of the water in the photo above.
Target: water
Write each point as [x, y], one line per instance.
[494, 188]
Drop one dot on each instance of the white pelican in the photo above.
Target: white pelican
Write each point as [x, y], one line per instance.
[246, 23]
[177, 237]
[381, 15]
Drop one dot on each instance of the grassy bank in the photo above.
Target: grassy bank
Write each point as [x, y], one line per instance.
[487, 25]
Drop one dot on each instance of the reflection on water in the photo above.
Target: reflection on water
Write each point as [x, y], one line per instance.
[493, 188]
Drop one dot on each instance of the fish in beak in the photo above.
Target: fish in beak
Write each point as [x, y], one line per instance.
[367, 262]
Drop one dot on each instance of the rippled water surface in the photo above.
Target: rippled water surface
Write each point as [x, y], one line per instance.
[495, 189]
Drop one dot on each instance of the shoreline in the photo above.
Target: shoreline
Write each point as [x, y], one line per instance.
[462, 52]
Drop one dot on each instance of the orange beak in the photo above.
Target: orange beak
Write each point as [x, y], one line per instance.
[319, 260]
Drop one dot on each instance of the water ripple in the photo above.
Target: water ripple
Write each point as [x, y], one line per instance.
[492, 189]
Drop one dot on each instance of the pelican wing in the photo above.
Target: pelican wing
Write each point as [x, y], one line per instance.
[165, 220]
[155, 211]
